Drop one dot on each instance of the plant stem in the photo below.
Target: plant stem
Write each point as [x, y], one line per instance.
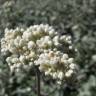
[38, 81]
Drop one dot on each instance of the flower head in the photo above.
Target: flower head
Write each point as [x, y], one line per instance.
[42, 46]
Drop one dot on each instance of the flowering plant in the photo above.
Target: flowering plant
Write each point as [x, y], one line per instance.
[41, 46]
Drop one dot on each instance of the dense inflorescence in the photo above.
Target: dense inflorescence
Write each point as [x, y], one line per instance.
[39, 45]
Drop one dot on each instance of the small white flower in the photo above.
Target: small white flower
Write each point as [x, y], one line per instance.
[59, 82]
[46, 72]
[9, 59]
[70, 47]
[60, 75]
[94, 57]
[24, 48]
[63, 38]
[65, 62]
[22, 42]
[57, 44]
[65, 56]
[54, 75]
[72, 66]
[32, 54]
[22, 59]
[31, 45]
[31, 64]
[68, 38]
[51, 32]
[15, 60]
[69, 73]
[70, 60]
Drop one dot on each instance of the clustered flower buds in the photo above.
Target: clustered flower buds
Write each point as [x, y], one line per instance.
[42, 46]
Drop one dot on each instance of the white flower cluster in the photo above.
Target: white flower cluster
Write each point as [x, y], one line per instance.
[42, 46]
[56, 64]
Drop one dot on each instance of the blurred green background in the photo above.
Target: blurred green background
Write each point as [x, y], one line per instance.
[74, 17]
